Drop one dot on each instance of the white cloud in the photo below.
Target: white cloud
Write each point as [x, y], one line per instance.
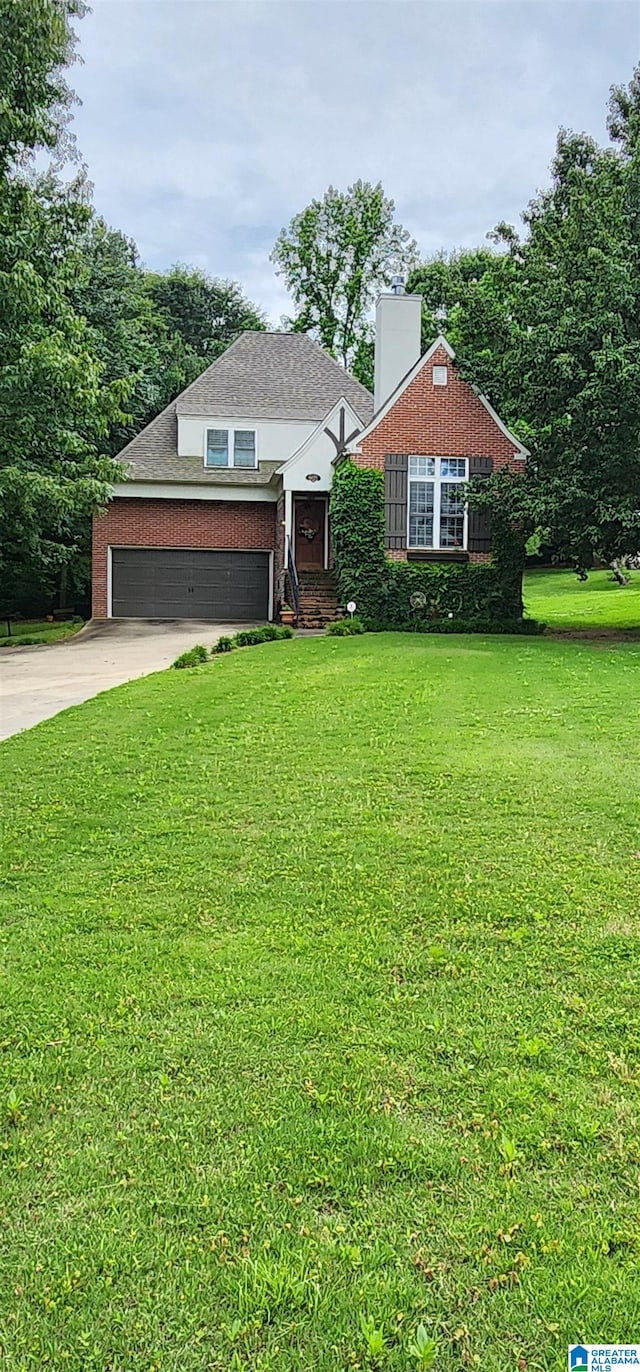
[206, 125]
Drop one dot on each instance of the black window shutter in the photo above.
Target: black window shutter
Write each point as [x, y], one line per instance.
[480, 520]
[396, 467]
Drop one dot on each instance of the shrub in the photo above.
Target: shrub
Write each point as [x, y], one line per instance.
[461, 625]
[249, 638]
[346, 628]
[193, 657]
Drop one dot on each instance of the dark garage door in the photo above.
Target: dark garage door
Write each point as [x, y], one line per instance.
[176, 583]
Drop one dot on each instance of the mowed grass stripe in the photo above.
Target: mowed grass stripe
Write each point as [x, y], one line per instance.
[320, 1000]
[556, 597]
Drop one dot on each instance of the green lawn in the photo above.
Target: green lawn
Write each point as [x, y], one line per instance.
[25, 631]
[320, 1005]
[563, 602]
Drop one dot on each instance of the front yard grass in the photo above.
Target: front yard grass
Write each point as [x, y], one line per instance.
[320, 1012]
[562, 602]
[32, 631]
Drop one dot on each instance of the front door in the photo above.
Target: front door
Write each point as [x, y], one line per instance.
[309, 518]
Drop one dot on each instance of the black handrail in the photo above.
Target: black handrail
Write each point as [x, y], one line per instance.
[293, 578]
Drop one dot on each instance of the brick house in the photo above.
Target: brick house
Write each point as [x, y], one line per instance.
[223, 510]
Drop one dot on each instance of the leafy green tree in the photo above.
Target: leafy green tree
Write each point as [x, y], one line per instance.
[469, 295]
[128, 333]
[549, 329]
[207, 314]
[576, 350]
[55, 410]
[37, 43]
[335, 256]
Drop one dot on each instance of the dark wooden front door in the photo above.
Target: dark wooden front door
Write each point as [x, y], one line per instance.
[309, 518]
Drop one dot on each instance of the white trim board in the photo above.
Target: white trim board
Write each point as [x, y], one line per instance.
[341, 404]
[167, 490]
[440, 342]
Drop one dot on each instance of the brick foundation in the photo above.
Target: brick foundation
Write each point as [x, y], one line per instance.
[130, 522]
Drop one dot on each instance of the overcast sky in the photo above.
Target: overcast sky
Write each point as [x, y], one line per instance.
[207, 125]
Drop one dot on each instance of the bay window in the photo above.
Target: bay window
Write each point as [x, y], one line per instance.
[437, 516]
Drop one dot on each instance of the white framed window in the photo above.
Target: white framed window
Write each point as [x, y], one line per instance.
[437, 516]
[230, 448]
[440, 376]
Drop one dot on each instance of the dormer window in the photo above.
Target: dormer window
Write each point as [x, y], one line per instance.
[440, 376]
[217, 451]
[244, 448]
[230, 448]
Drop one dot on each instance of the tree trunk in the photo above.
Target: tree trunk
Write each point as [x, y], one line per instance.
[619, 572]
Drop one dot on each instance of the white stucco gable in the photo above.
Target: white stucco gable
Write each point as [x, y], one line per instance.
[311, 466]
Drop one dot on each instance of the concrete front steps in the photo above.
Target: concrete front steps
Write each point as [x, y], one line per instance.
[318, 599]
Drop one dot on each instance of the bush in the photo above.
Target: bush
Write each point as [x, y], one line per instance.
[346, 628]
[459, 625]
[249, 638]
[193, 657]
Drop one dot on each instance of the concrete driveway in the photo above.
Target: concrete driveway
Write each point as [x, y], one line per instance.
[38, 682]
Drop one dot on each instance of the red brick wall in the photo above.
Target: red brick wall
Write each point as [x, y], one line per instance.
[130, 522]
[438, 421]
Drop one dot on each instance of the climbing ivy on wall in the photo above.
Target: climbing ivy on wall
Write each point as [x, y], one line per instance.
[431, 596]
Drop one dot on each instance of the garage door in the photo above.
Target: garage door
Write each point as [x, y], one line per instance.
[175, 583]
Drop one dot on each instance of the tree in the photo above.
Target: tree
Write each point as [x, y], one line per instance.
[335, 256]
[549, 329]
[128, 333]
[576, 346]
[205, 312]
[38, 42]
[469, 296]
[55, 409]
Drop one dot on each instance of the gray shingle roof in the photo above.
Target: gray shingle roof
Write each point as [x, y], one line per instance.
[261, 376]
[274, 376]
[170, 467]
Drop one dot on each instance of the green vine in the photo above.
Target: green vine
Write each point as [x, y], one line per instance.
[424, 597]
